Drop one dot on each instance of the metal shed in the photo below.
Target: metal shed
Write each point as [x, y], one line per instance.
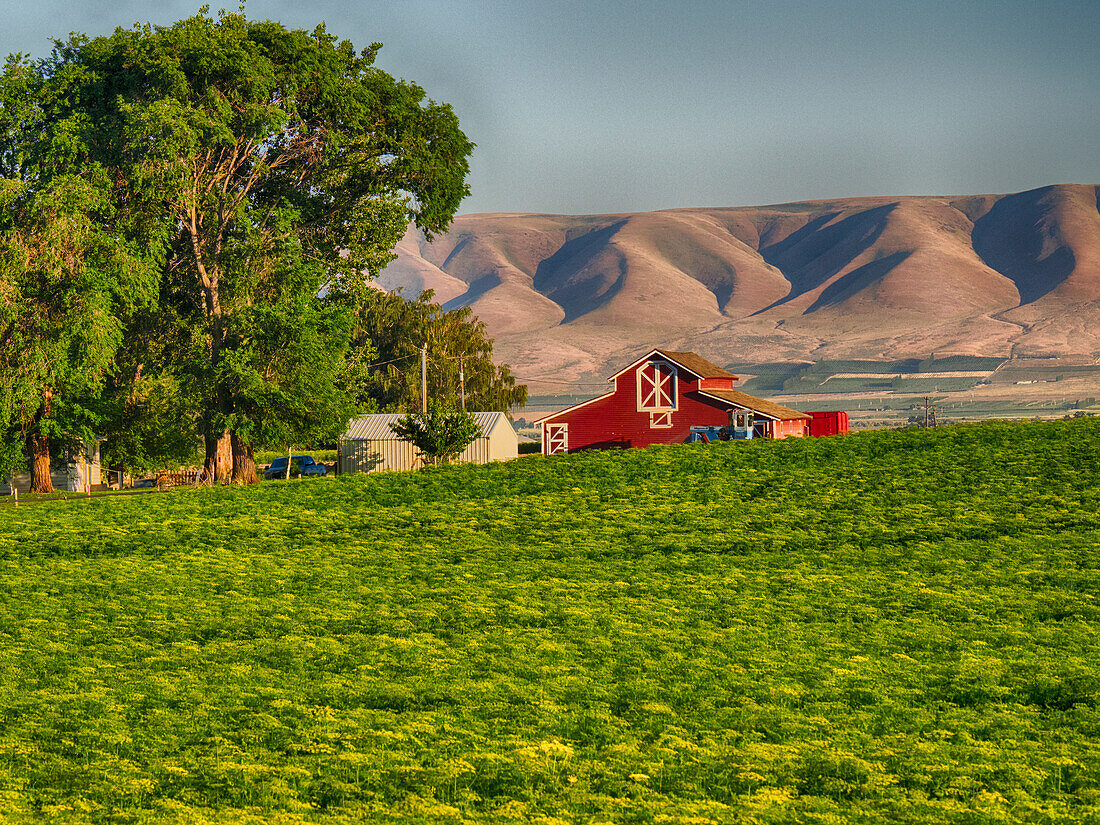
[78, 472]
[370, 445]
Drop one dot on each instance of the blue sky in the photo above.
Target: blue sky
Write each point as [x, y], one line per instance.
[587, 106]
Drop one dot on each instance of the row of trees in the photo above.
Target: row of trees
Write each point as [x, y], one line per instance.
[190, 218]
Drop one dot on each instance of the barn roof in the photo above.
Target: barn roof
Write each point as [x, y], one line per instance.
[376, 427]
[751, 402]
[693, 363]
[697, 364]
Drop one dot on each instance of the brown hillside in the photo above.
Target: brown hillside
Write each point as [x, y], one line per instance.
[574, 297]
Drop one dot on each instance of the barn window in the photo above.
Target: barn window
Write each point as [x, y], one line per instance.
[660, 420]
[657, 387]
[557, 438]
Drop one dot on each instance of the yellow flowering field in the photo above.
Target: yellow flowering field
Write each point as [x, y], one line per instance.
[884, 627]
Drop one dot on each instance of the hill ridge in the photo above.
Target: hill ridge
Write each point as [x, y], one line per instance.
[871, 277]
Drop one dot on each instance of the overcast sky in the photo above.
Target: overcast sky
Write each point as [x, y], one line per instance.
[587, 106]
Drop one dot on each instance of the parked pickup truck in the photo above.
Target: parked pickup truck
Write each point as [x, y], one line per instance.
[303, 465]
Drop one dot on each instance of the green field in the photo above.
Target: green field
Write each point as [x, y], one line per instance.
[884, 627]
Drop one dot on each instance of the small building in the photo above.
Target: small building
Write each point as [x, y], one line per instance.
[370, 444]
[830, 422]
[78, 472]
[668, 397]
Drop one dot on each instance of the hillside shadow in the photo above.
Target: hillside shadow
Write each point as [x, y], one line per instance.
[856, 281]
[815, 253]
[561, 277]
[1009, 238]
[458, 247]
[778, 249]
[723, 293]
[474, 291]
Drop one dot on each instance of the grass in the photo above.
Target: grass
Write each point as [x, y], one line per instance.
[890, 626]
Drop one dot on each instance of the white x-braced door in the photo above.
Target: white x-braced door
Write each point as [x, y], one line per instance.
[557, 438]
[656, 387]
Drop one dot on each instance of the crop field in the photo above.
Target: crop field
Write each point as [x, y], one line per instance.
[964, 387]
[885, 627]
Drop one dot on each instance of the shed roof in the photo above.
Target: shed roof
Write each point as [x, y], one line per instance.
[377, 426]
[751, 402]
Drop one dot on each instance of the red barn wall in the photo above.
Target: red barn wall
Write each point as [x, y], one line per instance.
[790, 428]
[615, 421]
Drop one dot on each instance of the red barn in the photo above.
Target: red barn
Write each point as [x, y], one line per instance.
[658, 400]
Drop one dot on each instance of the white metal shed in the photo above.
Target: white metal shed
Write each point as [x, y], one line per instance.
[370, 444]
[76, 473]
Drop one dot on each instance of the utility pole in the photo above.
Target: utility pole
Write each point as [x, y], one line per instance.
[929, 412]
[462, 380]
[424, 378]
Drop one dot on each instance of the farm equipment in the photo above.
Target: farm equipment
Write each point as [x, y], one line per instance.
[740, 427]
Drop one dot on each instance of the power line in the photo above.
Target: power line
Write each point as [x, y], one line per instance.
[437, 359]
[567, 383]
[394, 360]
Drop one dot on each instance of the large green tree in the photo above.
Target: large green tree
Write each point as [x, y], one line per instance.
[63, 282]
[72, 263]
[282, 166]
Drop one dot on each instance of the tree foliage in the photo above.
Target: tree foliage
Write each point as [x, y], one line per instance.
[65, 278]
[277, 167]
[456, 342]
[73, 260]
[440, 434]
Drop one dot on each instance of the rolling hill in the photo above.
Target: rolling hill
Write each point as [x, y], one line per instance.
[573, 297]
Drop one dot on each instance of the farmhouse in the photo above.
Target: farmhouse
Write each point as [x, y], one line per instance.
[667, 398]
[370, 444]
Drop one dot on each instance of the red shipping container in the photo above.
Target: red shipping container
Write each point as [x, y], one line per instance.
[831, 422]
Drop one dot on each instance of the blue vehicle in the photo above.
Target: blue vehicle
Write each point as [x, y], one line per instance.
[303, 465]
[740, 427]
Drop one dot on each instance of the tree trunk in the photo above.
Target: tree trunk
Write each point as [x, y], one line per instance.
[218, 465]
[244, 462]
[224, 460]
[38, 449]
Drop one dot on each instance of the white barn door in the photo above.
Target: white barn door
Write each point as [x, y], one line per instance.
[557, 438]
